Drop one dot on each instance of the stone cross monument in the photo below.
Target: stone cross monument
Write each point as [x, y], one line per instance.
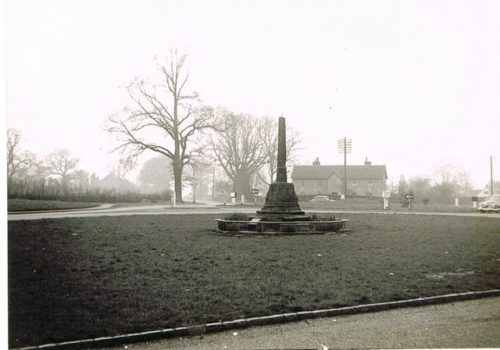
[281, 200]
[281, 213]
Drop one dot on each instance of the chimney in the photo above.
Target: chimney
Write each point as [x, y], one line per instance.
[316, 161]
[367, 162]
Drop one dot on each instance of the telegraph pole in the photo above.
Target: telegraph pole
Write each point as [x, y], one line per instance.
[345, 169]
[345, 146]
[213, 182]
[491, 175]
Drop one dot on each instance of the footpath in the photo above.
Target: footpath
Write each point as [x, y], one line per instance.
[464, 324]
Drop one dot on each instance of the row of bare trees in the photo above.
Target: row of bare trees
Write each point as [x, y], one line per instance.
[168, 119]
[57, 177]
[25, 171]
[444, 182]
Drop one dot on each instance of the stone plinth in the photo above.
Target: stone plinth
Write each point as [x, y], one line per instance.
[281, 200]
[251, 227]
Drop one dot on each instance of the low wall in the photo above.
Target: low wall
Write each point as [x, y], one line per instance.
[284, 227]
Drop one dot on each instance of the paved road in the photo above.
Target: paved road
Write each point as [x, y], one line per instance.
[474, 323]
[209, 208]
[109, 211]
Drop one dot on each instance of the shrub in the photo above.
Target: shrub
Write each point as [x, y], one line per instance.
[317, 217]
[237, 217]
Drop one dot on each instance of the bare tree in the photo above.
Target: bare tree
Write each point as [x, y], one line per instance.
[166, 111]
[16, 159]
[201, 172]
[402, 186]
[239, 149]
[445, 172]
[81, 178]
[124, 166]
[464, 182]
[25, 174]
[445, 178]
[62, 163]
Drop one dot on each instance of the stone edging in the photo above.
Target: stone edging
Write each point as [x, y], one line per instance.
[258, 321]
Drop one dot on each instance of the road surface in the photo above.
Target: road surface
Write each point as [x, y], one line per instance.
[466, 324]
[210, 208]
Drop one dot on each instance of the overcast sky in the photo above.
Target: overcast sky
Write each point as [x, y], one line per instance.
[410, 82]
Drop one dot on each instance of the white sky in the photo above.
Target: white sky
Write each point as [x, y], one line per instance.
[410, 82]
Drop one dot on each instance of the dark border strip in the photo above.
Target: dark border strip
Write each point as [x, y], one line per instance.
[259, 321]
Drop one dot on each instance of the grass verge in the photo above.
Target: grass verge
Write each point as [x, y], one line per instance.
[14, 205]
[88, 277]
[377, 204]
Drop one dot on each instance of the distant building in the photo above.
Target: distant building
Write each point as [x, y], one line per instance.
[317, 179]
[113, 182]
[485, 193]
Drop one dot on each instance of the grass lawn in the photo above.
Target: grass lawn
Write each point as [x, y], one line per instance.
[32, 205]
[79, 278]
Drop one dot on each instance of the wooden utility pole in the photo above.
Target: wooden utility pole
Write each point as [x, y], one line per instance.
[491, 176]
[345, 146]
[213, 182]
[345, 169]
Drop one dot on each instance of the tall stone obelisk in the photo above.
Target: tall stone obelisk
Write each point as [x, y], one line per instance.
[281, 200]
[281, 171]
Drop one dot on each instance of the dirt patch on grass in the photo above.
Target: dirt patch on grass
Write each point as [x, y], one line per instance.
[441, 275]
[89, 277]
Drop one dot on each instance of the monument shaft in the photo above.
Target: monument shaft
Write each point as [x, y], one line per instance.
[281, 171]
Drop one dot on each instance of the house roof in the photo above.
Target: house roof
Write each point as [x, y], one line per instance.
[326, 171]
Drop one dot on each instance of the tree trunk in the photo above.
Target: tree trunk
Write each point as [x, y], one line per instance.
[194, 185]
[178, 182]
[10, 190]
[177, 154]
[64, 184]
[242, 185]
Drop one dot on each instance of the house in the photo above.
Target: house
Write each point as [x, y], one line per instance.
[317, 179]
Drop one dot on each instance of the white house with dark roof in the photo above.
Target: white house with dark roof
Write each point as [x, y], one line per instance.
[362, 180]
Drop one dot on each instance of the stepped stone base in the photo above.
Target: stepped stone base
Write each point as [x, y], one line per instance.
[280, 227]
[281, 204]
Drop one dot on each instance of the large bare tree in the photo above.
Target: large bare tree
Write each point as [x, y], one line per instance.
[239, 149]
[248, 147]
[165, 118]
